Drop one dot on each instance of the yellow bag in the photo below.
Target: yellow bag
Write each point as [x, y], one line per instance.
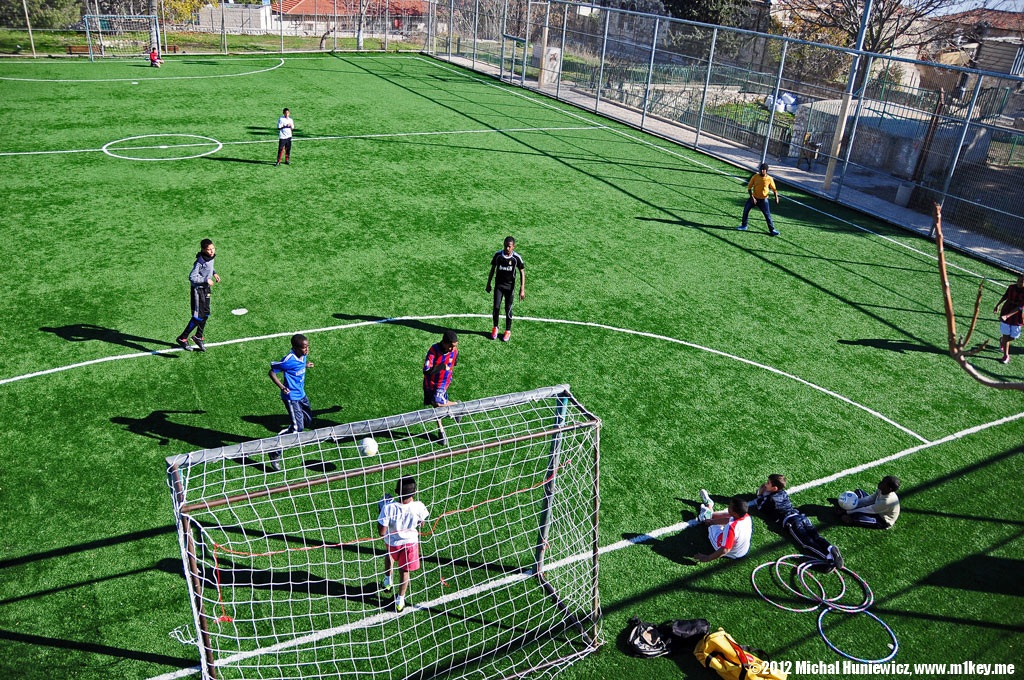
[721, 653]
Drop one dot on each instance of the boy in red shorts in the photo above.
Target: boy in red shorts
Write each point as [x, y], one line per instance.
[400, 521]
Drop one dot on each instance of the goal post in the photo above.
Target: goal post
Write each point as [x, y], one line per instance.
[284, 567]
[121, 35]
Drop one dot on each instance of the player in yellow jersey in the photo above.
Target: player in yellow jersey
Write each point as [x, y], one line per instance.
[759, 189]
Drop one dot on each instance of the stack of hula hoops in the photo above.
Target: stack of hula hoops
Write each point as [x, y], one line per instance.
[808, 587]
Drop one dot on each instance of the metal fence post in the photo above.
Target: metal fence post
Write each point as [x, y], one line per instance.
[960, 143]
[600, 70]
[451, 26]
[476, 28]
[853, 131]
[707, 85]
[775, 103]
[650, 72]
[561, 53]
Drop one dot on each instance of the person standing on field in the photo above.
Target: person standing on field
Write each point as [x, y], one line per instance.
[285, 127]
[759, 189]
[505, 263]
[293, 390]
[399, 525]
[437, 375]
[201, 278]
[1010, 317]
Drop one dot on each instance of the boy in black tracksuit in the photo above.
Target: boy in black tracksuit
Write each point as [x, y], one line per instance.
[201, 279]
[773, 502]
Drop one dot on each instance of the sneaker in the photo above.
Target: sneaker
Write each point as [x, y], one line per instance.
[742, 227]
[837, 557]
[275, 462]
[183, 343]
[704, 513]
[773, 232]
[200, 343]
[1005, 359]
[386, 587]
[287, 162]
[277, 164]
[399, 603]
[494, 333]
[507, 336]
[705, 498]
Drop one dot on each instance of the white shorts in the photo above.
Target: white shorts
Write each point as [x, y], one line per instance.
[1007, 329]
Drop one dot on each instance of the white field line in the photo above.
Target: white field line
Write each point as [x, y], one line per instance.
[136, 80]
[385, 135]
[613, 547]
[587, 324]
[676, 154]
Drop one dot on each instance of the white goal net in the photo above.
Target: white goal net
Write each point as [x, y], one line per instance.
[285, 567]
[116, 35]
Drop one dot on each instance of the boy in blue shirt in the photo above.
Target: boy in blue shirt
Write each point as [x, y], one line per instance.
[293, 390]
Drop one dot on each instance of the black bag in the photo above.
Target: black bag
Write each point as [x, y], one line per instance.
[645, 640]
[685, 632]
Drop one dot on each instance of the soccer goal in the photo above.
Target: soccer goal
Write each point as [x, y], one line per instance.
[284, 567]
[116, 35]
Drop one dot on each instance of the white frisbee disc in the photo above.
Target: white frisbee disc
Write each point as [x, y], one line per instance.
[240, 311]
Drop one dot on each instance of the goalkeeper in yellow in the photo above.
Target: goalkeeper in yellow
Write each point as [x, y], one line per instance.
[759, 189]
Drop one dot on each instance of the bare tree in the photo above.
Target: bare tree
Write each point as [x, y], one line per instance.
[893, 23]
[958, 346]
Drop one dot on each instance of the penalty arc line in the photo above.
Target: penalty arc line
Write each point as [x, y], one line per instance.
[567, 322]
[383, 617]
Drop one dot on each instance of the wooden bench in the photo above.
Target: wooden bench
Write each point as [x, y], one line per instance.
[78, 49]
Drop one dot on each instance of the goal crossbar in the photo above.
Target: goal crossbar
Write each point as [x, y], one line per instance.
[368, 427]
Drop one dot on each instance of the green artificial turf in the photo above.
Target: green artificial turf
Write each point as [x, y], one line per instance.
[700, 347]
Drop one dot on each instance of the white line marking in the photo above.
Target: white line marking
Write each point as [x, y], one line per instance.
[135, 80]
[612, 547]
[588, 324]
[431, 133]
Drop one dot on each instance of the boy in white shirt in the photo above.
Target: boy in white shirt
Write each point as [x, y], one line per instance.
[399, 524]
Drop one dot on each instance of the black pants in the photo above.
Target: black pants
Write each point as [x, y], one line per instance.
[200, 312]
[507, 294]
[807, 537]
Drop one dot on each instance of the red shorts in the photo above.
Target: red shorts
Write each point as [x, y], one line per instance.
[406, 557]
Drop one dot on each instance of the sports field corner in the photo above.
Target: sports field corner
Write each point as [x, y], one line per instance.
[712, 357]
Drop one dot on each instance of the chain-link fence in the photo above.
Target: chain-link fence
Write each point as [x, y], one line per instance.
[832, 121]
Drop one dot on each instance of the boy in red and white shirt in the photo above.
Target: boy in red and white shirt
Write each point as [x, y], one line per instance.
[729, 532]
[399, 524]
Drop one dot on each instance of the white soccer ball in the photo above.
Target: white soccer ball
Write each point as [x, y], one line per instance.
[368, 446]
[848, 500]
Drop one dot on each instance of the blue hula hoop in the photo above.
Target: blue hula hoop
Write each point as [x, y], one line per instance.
[892, 636]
